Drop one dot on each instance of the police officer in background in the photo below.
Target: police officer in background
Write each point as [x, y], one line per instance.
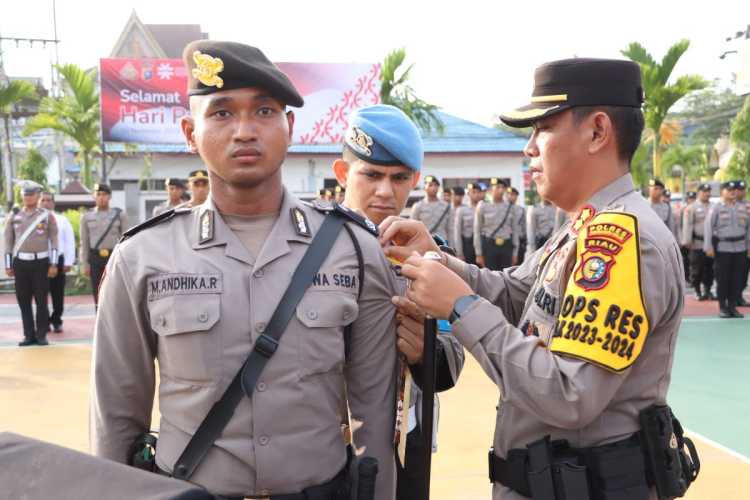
[743, 204]
[175, 192]
[463, 221]
[101, 229]
[203, 310]
[457, 202]
[31, 259]
[541, 224]
[496, 230]
[520, 216]
[66, 244]
[693, 227]
[339, 193]
[379, 180]
[325, 194]
[199, 188]
[679, 216]
[580, 338]
[727, 241]
[432, 211]
[663, 210]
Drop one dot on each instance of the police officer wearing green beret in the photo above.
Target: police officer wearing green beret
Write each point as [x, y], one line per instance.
[197, 291]
[580, 338]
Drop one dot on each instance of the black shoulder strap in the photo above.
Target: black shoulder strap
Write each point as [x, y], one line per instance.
[265, 346]
[112, 220]
[440, 220]
[507, 212]
[153, 221]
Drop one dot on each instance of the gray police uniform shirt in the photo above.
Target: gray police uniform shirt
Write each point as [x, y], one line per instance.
[541, 222]
[463, 227]
[41, 239]
[163, 207]
[435, 215]
[561, 217]
[664, 211]
[529, 320]
[198, 313]
[94, 223]
[693, 224]
[489, 216]
[730, 223]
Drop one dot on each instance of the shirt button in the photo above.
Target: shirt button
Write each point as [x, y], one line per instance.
[258, 273]
[261, 386]
[260, 327]
[263, 440]
[312, 314]
[203, 317]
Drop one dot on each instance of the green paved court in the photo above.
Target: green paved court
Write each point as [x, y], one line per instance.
[710, 389]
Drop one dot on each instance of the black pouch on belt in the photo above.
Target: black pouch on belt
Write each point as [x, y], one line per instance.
[617, 471]
[670, 467]
[554, 474]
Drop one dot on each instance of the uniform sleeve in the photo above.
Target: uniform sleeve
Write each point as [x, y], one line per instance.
[458, 234]
[9, 236]
[531, 230]
[478, 221]
[371, 370]
[83, 254]
[672, 223]
[708, 231]
[515, 228]
[687, 226]
[122, 384]
[53, 234]
[557, 388]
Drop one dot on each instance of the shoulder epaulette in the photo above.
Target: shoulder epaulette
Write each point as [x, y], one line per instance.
[154, 221]
[342, 211]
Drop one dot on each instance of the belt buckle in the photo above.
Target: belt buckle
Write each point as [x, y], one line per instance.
[499, 242]
[103, 252]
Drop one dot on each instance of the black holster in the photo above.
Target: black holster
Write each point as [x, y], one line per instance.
[362, 473]
[671, 467]
[142, 453]
[554, 474]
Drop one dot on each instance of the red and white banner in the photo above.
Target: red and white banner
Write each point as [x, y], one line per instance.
[143, 100]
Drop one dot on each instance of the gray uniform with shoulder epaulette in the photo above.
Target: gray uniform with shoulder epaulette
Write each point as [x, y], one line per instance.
[489, 217]
[664, 211]
[197, 314]
[540, 225]
[436, 215]
[559, 372]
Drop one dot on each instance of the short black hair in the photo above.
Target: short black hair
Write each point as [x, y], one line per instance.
[458, 191]
[628, 124]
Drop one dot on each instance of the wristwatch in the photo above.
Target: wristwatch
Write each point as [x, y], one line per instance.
[460, 306]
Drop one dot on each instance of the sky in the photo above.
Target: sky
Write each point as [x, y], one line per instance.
[472, 58]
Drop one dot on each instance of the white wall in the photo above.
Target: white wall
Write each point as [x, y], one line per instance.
[304, 174]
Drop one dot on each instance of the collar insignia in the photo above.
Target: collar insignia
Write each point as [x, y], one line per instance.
[300, 222]
[206, 227]
[359, 141]
[583, 217]
[207, 69]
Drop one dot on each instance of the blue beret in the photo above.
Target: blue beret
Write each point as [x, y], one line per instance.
[384, 135]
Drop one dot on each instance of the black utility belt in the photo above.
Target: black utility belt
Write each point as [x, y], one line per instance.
[335, 489]
[697, 237]
[732, 238]
[658, 456]
[497, 241]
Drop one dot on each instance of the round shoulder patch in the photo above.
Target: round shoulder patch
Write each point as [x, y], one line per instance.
[603, 317]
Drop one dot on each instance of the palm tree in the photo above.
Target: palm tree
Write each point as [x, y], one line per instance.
[75, 114]
[660, 95]
[11, 93]
[397, 92]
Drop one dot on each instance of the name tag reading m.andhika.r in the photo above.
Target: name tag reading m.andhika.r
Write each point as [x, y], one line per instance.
[167, 285]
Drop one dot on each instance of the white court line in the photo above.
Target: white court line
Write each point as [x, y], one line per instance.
[739, 456]
[699, 319]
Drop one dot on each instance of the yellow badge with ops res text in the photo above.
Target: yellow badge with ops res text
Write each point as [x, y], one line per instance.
[603, 317]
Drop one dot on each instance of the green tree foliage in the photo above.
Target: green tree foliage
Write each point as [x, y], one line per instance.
[693, 158]
[396, 91]
[708, 114]
[32, 168]
[739, 165]
[660, 94]
[75, 114]
[11, 93]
